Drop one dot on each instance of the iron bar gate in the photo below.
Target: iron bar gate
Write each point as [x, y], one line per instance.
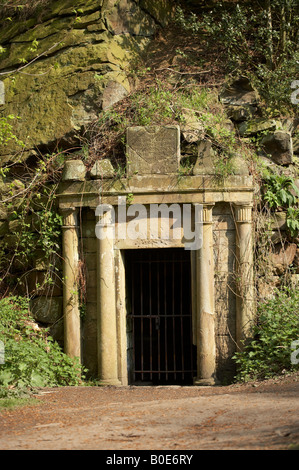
[160, 316]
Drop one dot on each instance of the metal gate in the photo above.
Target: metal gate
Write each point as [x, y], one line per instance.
[160, 317]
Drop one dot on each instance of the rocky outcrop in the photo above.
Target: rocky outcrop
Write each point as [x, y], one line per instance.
[277, 149]
[70, 63]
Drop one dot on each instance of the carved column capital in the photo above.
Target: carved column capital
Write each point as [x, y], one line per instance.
[69, 217]
[243, 213]
[206, 213]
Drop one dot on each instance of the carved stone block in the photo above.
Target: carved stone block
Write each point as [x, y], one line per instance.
[153, 150]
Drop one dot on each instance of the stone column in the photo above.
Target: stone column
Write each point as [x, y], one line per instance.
[121, 318]
[206, 343]
[245, 286]
[106, 302]
[71, 313]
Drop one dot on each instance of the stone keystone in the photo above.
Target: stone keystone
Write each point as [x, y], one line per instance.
[153, 150]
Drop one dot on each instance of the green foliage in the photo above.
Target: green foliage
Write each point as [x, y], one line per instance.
[35, 224]
[280, 191]
[269, 352]
[155, 106]
[6, 131]
[275, 85]
[293, 221]
[259, 39]
[32, 358]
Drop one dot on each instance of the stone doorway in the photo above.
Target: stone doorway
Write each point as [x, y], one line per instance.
[159, 317]
[223, 297]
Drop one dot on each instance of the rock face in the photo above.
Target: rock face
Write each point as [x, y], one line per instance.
[74, 61]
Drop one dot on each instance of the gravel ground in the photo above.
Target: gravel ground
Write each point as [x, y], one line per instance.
[255, 416]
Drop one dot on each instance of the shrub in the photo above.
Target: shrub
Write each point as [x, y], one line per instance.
[32, 357]
[269, 352]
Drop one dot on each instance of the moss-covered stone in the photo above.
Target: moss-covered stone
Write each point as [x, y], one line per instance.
[55, 61]
[256, 126]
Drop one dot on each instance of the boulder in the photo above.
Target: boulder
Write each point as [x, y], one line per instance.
[279, 221]
[241, 113]
[205, 161]
[239, 93]
[127, 18]
[113, 93]
[46, 309]
[64, 51]
[255, 126]
[280, 146]
[283, 256]
[192, 128]
[239, 165]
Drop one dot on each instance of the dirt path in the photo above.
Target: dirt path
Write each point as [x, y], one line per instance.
[256, 416]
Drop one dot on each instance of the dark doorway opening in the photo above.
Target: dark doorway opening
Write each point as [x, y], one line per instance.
[160, 350]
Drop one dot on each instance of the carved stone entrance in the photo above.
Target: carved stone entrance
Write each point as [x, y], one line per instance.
[221, 279]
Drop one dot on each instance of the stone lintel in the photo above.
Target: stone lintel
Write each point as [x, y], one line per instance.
[157, 183]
